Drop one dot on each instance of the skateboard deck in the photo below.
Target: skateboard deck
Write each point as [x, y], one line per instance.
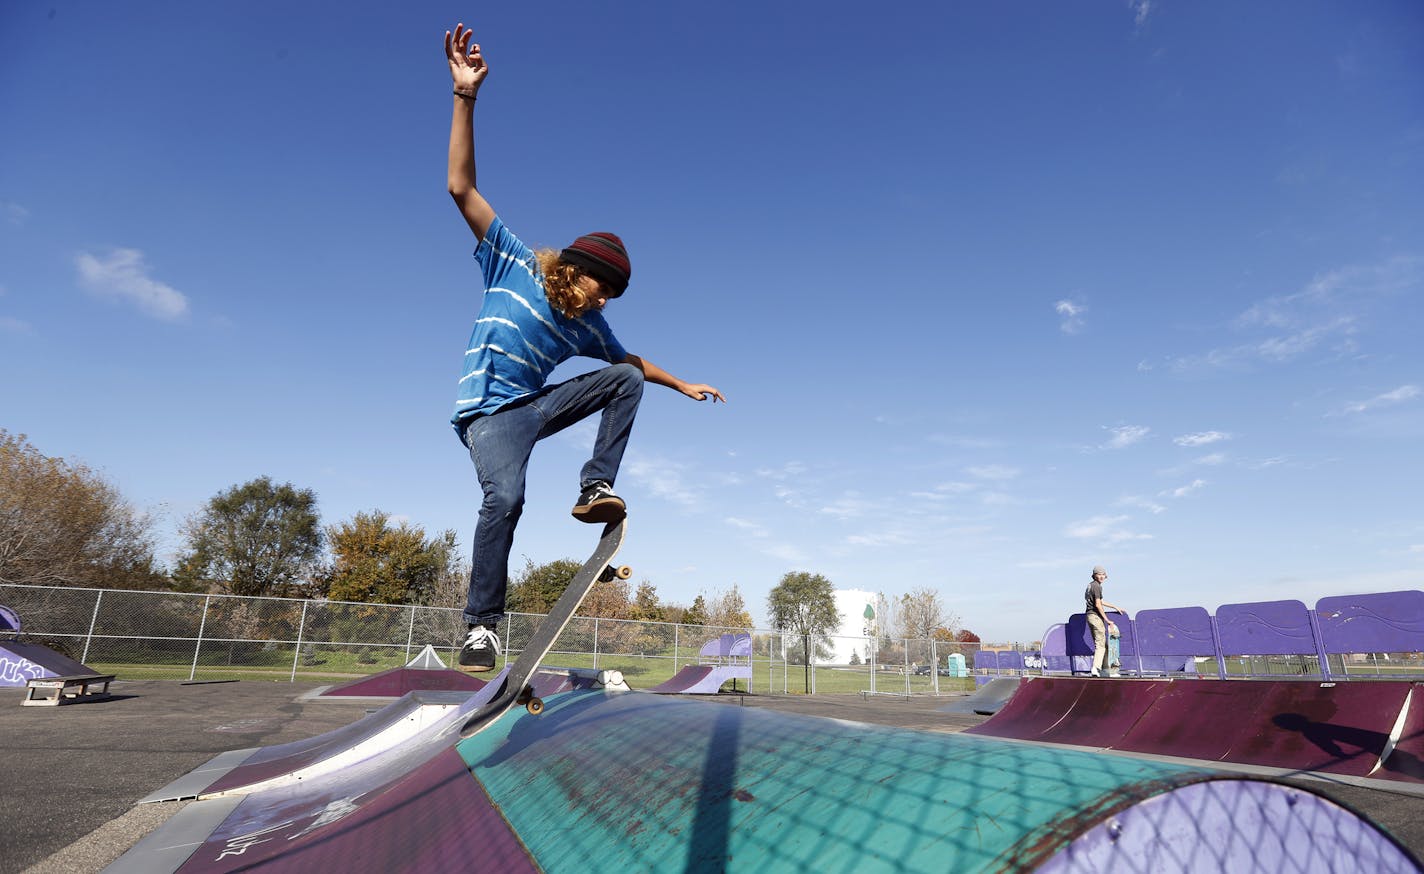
[516, 689]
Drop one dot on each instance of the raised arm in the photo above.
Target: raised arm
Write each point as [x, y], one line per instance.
[467, 73]
[653, 373]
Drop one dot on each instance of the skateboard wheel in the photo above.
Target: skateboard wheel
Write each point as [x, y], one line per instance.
[623, 572]
[535, 706]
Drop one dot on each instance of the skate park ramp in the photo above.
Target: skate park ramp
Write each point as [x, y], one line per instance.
[618, 781]
[21, 662]
[987, 699]
[1366, 729]
[726, 657]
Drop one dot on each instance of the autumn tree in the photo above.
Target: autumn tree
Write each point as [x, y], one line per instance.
[258, 538]
[380, 563]
[805, 603]
[921, 612]
[63, 524]
[728, 610]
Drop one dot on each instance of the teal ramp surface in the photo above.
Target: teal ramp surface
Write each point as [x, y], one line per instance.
[639, 782]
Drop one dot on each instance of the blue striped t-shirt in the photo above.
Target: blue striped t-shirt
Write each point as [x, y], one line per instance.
[519, 338]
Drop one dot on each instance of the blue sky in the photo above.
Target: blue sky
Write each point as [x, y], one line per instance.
[996, 292]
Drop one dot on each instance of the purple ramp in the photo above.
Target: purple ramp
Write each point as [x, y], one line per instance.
[1195, 719]
[1406, 761]
[22, 662]
[1039, 704]
[1105, 712]
[702, 679]
[1339, 728]
[1309, 726]
[398, 681]
[426, 813]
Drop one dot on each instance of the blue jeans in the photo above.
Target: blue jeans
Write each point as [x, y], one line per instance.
[500, 444]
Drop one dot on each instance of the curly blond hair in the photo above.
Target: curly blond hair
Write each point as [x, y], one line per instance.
[561, 284]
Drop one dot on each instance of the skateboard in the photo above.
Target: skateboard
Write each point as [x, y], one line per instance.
[517, 690]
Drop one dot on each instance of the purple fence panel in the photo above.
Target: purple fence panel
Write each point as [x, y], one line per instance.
[1179, 631]
[1382, 622]
[986, 659]
[1265, 628]
[1055, 650]
[1011, 660]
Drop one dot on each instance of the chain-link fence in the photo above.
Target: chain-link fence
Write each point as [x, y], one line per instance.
[171, 635]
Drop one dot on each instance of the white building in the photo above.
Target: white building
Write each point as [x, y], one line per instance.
[854, 634]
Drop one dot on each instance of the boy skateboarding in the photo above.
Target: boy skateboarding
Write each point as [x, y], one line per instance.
[539, 309]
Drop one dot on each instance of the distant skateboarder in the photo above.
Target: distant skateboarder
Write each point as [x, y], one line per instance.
[1098, 622]
[540, 308]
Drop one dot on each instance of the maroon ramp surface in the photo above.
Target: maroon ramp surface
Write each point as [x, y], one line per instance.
[1339, 728]
[1195, 719]
[414, 815]
[1039, 704]
[1406, 762]
[1105, 712]
[398, 681]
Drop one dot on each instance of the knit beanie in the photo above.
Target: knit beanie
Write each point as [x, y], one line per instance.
[1099, 569]
[602, 256]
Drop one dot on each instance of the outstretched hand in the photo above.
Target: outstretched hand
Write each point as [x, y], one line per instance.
[467, 66]
[702, 392]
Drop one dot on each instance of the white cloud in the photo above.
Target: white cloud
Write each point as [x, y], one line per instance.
[1125, 435]
[14, 214]
[1185, 490]
[1329, 315]
[1107, 530]
[746, 525]
[123, 275]
[663, 478]
[14, 326]
[1201, 438]
[1144, 503]
[1070, 316]
[1212, 459]
[1140, 10]
[996, 472]
[1397, 396]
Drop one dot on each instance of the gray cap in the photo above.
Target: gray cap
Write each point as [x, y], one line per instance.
[1099, 569]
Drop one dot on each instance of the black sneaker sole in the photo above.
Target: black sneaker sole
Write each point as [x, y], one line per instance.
[601, 511]
[475, 669]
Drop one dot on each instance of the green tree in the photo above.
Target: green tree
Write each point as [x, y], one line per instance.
[805, 604]
[537, 588]
[254, 539]
[697, 613]
[645, 604]
[62, 524]
[378, 563]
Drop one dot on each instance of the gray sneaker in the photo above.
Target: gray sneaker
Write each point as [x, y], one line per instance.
[598, 503]
[481, 647]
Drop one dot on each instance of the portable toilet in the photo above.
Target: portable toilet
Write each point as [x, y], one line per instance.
[955, 663]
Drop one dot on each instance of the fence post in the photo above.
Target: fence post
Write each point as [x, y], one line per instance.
[197, 647]
[301, 628]
[906, 643]
[676, 638]
[94, 618]
[934, 666]
[595, 643]
[410, 634]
